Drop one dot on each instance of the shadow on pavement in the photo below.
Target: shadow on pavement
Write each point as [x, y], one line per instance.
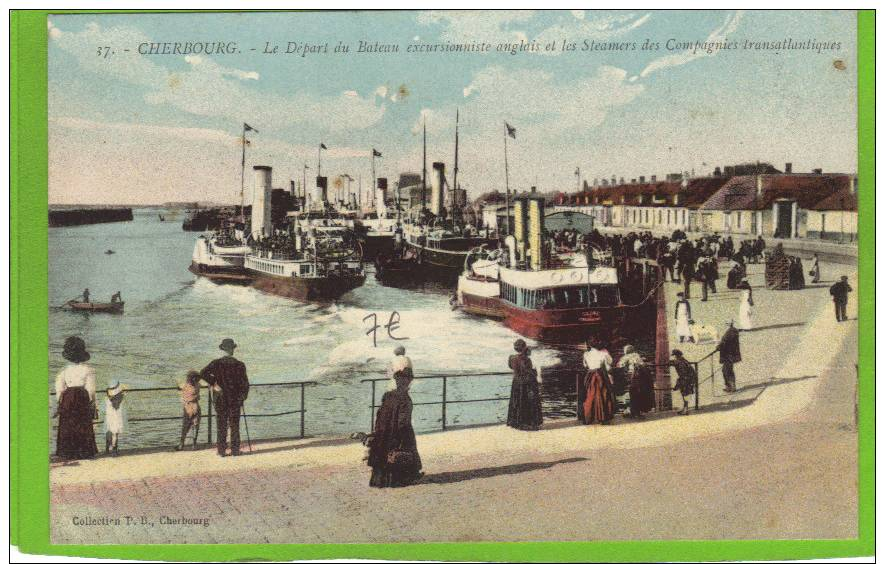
[776, 326]
[492, 471]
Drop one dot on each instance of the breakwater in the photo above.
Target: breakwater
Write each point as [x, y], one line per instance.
[88, 216]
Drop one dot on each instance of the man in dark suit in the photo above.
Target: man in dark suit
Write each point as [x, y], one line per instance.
[227, 377]
[839, 291]
[729, 353]
[687, 259]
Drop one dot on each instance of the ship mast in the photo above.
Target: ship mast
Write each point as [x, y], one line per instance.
[424, 171]
[455, 174]
[246, 127]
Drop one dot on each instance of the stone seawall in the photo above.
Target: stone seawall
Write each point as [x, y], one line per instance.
[86, 216]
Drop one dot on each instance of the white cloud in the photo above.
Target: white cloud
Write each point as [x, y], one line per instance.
[141, 163]
[514, 26]
[231, 96]
[717, 35]
[551, 118]
[466, 25]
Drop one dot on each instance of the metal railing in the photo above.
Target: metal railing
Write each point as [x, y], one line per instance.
[208, 414]
[445, 402]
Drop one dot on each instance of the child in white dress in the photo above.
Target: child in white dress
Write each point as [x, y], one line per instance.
[114, 417]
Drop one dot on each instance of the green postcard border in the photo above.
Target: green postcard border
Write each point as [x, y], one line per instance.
[29, 443]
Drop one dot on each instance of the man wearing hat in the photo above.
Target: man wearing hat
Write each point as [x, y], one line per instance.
[729, 353]
[839, 291]
[686, 378]
[227, 377]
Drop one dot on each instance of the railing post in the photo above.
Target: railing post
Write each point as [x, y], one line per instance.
[209, 425]
[697, 386]
[578, 395]
[372, 415]
[444, 403]
[302, 410]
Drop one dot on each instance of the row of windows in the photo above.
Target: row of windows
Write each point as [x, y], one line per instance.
[561, 298]
[271, 268]
[644, 216]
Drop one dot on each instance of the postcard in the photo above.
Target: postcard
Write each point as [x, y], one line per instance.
[325, 278]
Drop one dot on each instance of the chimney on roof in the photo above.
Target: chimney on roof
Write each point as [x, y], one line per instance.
[632, 181]
[818, 171]
[622, 180]
[654, 178]
[788, 168]
[534, 189]
[642, 180]
[854, 185]
[717, 172]
[614, 180]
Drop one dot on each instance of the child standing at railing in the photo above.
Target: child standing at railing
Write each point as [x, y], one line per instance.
[114, 417]
[190, 403]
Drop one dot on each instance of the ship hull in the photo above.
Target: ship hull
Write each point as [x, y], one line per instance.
[483, 306]
[562, 326]
[555, 326]
[375, 245]
[221, 274]
[306, 289]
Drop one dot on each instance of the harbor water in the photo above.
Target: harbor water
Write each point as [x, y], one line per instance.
[174, 321]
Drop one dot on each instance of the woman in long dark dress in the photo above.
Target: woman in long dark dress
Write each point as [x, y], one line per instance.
[641, 382]
[524, 411]
[599, 403]
[75, 393]
[393, 450]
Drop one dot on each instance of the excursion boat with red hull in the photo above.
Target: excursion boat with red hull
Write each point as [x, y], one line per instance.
[556, 299]
[321, 263]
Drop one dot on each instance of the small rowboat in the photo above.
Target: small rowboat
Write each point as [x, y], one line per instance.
[96, 307]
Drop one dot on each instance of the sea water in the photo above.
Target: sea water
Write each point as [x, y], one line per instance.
[174, 322]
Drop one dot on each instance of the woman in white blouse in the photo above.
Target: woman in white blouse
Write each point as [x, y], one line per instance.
[75, 396]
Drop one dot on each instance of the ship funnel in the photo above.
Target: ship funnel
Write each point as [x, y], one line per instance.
[381, 198]
[510, 241]
[261, 202]
[318, 198]
[536, 232]
[438, 189]
[520, 229]
[292, 188]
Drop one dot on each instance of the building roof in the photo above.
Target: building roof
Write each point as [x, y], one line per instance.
[843, 200]
[655, 194]
[759, 192]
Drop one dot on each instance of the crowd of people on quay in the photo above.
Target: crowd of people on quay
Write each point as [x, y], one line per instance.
[392, 446]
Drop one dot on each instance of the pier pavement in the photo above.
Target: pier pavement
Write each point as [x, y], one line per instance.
[776, 460]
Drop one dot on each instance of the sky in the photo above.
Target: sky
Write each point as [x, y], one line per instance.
[126, 128]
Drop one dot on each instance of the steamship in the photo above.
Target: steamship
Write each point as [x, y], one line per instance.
[437, 243]
[555, 299]
[321, 263]
[220, 258]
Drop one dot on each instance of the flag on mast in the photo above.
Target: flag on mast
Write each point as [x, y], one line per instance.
[323, 146]
[376, 153]
[511, 131]
[247, 127]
